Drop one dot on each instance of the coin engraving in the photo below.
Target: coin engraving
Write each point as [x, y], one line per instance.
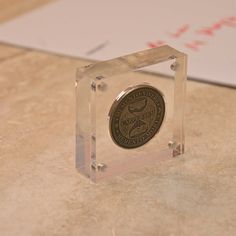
[136, 116]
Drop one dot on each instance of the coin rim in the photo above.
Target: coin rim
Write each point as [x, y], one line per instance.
[117, 101]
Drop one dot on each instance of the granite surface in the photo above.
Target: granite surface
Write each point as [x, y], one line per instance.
[41, 193]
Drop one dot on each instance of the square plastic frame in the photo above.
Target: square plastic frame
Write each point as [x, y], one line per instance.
[97, 87]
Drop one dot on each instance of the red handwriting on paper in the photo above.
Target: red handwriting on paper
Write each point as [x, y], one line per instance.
[156, 44]
[210, 31]
[229, 21]
[197, 43]
[183, 29]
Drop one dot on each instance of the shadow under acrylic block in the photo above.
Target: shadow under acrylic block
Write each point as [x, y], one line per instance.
[126, 120]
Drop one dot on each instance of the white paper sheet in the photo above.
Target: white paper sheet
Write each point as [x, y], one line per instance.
[205, 30]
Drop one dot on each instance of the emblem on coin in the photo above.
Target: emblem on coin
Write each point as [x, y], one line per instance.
[136, 116]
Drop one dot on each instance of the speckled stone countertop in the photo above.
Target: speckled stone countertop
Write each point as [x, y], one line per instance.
[41, 193]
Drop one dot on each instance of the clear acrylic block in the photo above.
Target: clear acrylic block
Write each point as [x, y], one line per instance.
[125, 120]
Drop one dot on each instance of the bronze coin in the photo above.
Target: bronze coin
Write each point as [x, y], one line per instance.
[136, 116]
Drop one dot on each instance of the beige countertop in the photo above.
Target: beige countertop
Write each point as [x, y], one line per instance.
[41, 193]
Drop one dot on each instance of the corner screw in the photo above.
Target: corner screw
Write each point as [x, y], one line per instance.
[102, 86]
[101, 167]
[100, 77]
[93, 86]
[174, 66]
[172, 144]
